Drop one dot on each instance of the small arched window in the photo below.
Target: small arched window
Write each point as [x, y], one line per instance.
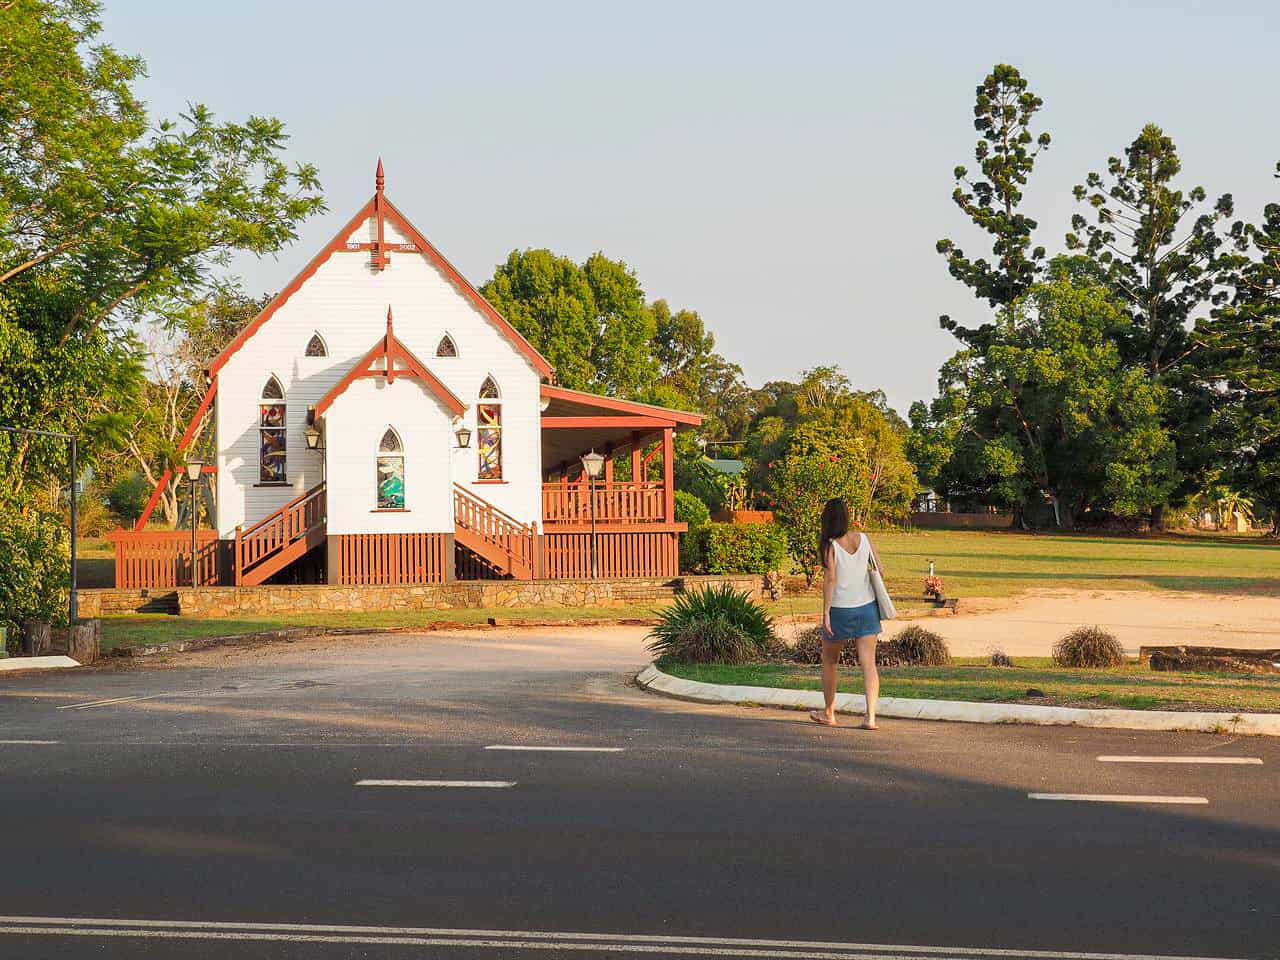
[446, 347]
[489, 431]
[316, 347]
[272, 446]
[390, 471]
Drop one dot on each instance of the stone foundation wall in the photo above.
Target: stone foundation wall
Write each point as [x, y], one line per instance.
[107, 602]
[470, 594]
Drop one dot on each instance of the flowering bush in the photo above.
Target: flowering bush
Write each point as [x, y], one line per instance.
[818, 466]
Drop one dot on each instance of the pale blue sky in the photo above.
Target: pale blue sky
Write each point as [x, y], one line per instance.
[782, 168]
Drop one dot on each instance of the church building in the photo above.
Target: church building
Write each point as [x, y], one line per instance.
[379, 422]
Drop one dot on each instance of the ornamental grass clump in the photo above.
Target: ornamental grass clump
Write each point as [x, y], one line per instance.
[914, 646]
[1090, 647]
[713, 625]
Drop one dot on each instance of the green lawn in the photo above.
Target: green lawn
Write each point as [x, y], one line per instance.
[984, 563]
[1130, 686]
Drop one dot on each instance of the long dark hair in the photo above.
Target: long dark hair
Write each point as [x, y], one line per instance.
[835, 524]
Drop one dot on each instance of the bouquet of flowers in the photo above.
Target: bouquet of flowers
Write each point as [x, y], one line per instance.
[933, 587]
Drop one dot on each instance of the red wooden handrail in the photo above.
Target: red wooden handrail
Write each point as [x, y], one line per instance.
[634, 501]
[279, 529]
[500, 530]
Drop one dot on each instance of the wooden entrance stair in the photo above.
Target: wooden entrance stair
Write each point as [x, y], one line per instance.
[279, 539]
[506, 545]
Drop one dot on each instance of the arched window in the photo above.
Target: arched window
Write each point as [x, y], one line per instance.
[272, 446]
[390, 471]
[489, 431]
[447, 348]
[316, 347]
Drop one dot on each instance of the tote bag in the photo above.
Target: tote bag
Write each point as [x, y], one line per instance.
[883, 602]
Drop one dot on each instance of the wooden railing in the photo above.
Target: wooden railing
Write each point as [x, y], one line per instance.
[162, 558]
[275, 532]
[625, 502]
[503, 539]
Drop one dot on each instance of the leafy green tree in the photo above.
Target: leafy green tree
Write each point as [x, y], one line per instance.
[1160, 250]
[590, 321]
[820, 464]
[180, 346]
[89, 386]
[688, 361]
[129, 214]
[1241, 365]
[1006, 153]
[1048, 407]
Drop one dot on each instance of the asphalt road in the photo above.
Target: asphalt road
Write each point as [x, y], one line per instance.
[212, 810]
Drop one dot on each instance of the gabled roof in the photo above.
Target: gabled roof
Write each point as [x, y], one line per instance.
[570, 399]
[383, 209]
[389, 351]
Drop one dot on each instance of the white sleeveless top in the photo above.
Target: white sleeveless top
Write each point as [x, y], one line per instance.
[853, 585]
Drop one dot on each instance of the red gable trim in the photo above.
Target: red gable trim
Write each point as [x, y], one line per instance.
[424, 245]
[388, 349]
[379, 203]
[338, 243]
[550, 392]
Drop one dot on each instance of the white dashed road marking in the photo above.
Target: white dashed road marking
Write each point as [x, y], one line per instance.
[1115, 798]
[29, 742]
[1226, 760]
[482, 784]
[532, 749]
[541, 940]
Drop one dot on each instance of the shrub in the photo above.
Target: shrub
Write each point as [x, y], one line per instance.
[914, 646]
[93, 518]
[683, 629]
[1001, 659]
[691, 510]
[743, 547]
[127, 497]
[35, 558]
[1088, 647]
[704, 640]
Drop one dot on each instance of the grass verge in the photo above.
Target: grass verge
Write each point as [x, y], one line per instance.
[149, 628]
[1130, 686]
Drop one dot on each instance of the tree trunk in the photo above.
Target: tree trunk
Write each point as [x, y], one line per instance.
[84, 641]
[1158, 518]
[36, 638]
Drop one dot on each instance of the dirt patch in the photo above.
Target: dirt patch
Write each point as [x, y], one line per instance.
[1029, 625]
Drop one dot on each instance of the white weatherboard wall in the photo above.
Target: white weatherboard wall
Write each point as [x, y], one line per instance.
[346, 301]
[358, 419]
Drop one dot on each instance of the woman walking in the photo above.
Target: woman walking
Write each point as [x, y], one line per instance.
[849, 610]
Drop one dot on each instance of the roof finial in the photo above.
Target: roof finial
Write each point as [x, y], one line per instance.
[379, 178]
[389, 331]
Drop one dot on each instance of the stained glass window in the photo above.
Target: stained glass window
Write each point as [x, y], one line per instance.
[489, 389]
[390, 472]
[271, 434]
[489, 440]
[447, 347]
[316, 347]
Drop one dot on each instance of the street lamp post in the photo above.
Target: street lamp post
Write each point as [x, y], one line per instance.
[591, 463]
[73, 606]
[193, 476]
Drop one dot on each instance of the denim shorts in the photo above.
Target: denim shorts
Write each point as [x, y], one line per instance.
[850, 622]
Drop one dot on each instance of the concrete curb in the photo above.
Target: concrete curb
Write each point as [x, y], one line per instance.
[1261, 724]
[32, 664]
